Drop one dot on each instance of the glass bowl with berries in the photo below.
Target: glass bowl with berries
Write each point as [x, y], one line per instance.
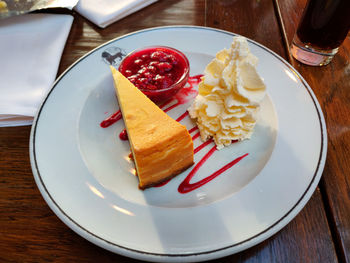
[158, 71]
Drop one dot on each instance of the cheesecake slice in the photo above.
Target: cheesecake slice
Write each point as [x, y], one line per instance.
[161, 147]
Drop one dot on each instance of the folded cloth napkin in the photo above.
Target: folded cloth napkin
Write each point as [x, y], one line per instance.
[30, 51]
[105, 12]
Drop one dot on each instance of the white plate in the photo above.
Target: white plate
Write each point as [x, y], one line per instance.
[83, 172]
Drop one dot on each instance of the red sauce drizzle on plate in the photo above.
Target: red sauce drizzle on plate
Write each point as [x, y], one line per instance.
[193, 129]
[188, 92]
[186, 186]
[196, 136]
[200, 147]
[123, 135]
[172, 107]
[182, 116]
[111, 119]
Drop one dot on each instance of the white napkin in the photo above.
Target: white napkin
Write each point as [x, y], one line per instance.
[30, 51]
[105, 12]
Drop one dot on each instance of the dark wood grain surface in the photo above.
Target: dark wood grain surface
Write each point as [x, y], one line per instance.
[29, 230]
[331, 85]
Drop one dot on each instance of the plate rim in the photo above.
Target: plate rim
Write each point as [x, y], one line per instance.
[135, 253]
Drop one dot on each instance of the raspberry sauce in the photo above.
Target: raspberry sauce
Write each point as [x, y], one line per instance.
[159, 72]
[111, 119]
[186, 186]
[123, 135]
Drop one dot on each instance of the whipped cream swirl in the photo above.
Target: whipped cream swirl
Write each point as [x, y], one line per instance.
[229, 95]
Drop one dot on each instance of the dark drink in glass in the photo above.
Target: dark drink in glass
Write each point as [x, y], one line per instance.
[322, 29]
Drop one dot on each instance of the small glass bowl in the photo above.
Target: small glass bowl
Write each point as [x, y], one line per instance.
[163, 94]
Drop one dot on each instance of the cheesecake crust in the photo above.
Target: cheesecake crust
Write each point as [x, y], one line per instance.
[166, 178]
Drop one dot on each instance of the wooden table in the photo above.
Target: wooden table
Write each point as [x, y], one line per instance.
[30, 232]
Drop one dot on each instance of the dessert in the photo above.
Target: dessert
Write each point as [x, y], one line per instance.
[161, 147]
[229, 95]
[159, 72]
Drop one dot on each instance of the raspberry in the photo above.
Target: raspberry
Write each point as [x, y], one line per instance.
[142, 81]
[154, 63]
[159, 56]
[164, 67]
[158, 78]
[133, 78]
[162, 81]
[152, 69]
[145, 56]
[128, 73]
[138, 62]
[148, 75]
[172, 59]
[142, 71]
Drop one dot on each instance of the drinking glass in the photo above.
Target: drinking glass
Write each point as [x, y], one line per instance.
[322, 29]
